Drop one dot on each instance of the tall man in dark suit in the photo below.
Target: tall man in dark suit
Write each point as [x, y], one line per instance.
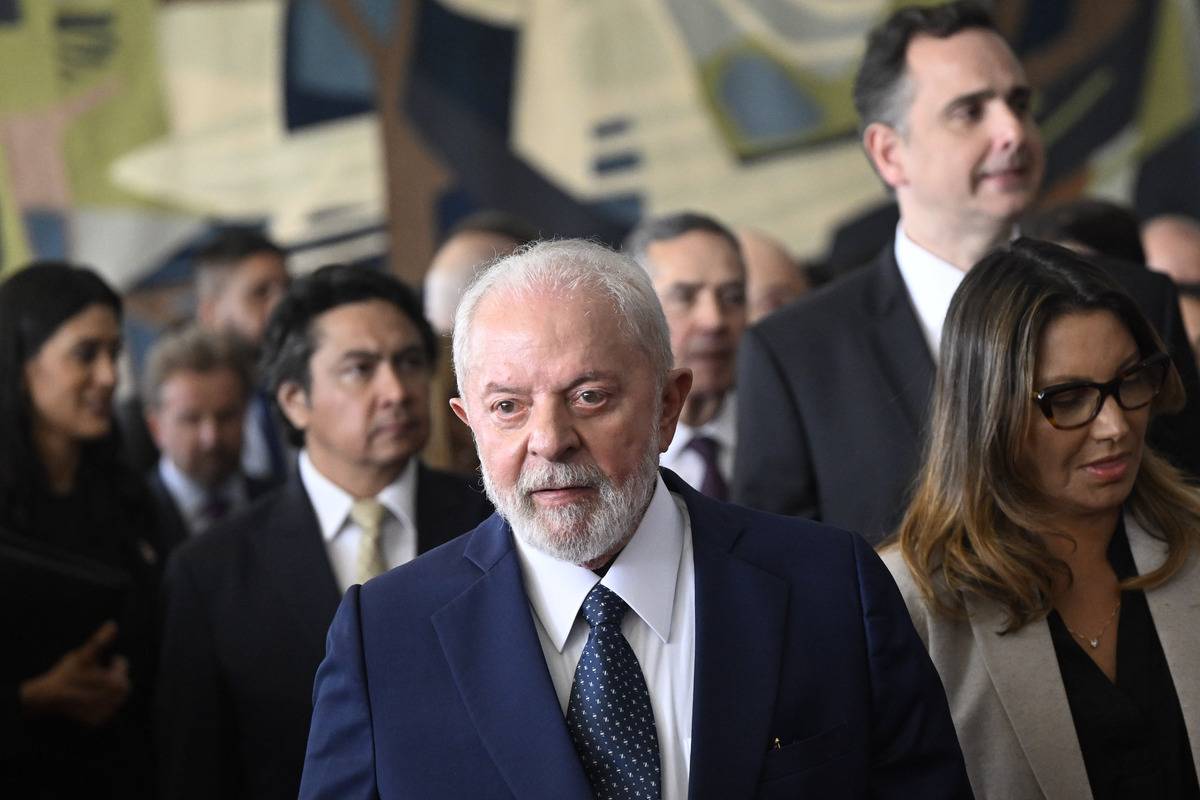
[834, 390]
[196, 386]
[612, 632]
[348, 357]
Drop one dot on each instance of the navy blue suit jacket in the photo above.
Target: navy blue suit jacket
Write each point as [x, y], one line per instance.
[434, 684]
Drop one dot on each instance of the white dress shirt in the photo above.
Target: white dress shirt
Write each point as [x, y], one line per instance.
[931, 283]
[191, 498]
[655, 576]
[398, 533]
[686, 463]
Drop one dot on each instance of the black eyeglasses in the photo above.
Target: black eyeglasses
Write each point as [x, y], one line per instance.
[1075, 404]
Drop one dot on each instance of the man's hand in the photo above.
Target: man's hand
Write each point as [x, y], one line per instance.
[84, 685]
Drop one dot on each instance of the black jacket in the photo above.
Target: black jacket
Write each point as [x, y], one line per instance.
[247, 608]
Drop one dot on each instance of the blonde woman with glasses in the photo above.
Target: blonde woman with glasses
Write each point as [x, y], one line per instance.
[1049, 557]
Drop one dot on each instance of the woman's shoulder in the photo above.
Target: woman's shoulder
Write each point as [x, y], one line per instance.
[893, 558]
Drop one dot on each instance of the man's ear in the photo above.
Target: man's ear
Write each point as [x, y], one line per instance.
[459, 407]
[674, 393]
[885, 149]
[293, 402]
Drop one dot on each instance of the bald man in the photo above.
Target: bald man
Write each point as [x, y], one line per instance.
[773, 277]
[476, 240]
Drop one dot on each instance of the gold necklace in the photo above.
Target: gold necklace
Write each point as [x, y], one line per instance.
[1095, 642]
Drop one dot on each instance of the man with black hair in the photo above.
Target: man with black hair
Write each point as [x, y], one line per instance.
[347, 357]
[834, 390]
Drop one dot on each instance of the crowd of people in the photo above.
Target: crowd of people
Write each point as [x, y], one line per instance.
[663, 521]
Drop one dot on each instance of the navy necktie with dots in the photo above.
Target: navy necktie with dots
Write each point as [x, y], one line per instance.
[609, 714]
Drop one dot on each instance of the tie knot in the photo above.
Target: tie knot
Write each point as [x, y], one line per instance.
[603, 607]
[367, 514]
[215, 506]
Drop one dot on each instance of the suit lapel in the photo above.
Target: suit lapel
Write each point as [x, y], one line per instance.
[173, 530]
[294, 553]
[1175, 607]
[740, 614]
[901, 352]
[488, 637]
[1024, 671]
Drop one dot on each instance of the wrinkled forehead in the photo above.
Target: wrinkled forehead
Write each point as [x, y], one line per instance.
[543, 335]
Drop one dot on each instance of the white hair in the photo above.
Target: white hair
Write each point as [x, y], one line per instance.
[571, 267]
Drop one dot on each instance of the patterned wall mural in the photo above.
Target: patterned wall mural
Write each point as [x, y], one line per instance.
[129, 126]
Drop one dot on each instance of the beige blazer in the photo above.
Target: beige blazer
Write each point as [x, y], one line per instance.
[1006, 693]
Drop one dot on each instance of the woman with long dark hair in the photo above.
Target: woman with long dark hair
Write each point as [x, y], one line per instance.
[76, 724]
[1049, 557]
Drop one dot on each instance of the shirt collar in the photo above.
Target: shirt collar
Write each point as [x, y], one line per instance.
[931, 283]
[190, 496]
[643, 575]
[722, 427]
[332, 503]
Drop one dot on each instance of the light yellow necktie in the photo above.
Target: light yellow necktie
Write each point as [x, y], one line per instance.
[368, 514]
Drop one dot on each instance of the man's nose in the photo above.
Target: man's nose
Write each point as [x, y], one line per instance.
[1008, 127]
[391, 385]
[208, 432]
[552, 434]
[708, 313]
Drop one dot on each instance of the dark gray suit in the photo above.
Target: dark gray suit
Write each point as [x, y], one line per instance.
[247, 607]
[833, 393]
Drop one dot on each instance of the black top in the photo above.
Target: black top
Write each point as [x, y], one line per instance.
[1132, 732]
[103, 520]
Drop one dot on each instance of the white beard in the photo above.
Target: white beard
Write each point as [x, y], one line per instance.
[584, 531]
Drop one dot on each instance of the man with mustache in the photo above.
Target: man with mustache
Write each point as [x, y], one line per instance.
[611, 632]
[347, 356]
[833, 391]
[699, 276]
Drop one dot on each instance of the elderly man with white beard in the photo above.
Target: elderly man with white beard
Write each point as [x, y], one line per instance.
[611, 632]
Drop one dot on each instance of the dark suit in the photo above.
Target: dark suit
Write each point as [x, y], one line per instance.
[833, 393]
[435, 684]
[248, 605]
[171, 528]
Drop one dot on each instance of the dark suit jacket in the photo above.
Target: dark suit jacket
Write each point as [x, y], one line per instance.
[833, 393]
[170, 526]
[248, 605]
[435, 685]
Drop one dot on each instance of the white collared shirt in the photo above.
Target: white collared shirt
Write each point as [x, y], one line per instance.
[686, 463]
[191, 498]
[332, 504]
[931, 283]
[655, 576]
